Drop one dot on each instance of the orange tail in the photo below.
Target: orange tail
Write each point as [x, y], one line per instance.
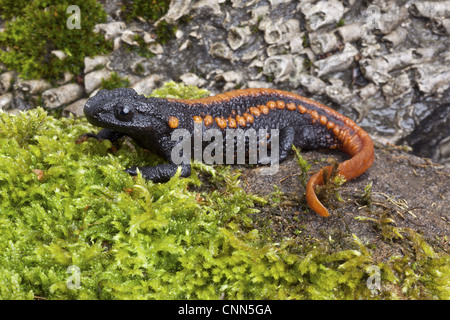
[359, 146]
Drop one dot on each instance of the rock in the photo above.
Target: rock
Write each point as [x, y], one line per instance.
[6, 79]
[56, 97]
[146, 85]
[279, 66]
[75, 109]
[338, 92]
[312, 84]
[93, 80]
[221, 50]
[430, 9]
[90, 63]
[177, 9]
[191, 79]
[323, 13]
[32, 87]
[6, 100]
[129, 37]
[337, 62]
[238, 36]
[111, 30]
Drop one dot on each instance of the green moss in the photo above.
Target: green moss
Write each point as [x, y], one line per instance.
[64, 204]
[150, 10]
[114, 81]
[40, 28]
[165, 31]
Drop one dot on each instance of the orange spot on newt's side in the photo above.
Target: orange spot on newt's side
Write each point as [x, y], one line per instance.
[221, 122]
[280, 104]
[271, 104]
[264, 109]
[208, 120]
[255, 111]
[302, 109]
[231, 122]
[248, 117]
[291, 106]
[198, 119]
[173, 122]
[241, 121]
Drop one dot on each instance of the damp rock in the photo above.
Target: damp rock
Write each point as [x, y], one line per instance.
[56, 97]
[221, 50]
[191, 79]
[312, 84]
[338, 92]
[390, 20]
[110, 30]
[6, 79]
[323, 13]
[278, 66]
[337, 62]
[430, 9]
[61, 55]
[129, 37]
[212, 6]
[75, 109]
[370, 47]
[368, 91]
[403, 59]
[93, 80]
[397, 87]
[156, 48]
[242, 3]
[6, 100]
[323, 42]
[432, 78]
[177, 9]
[441, 26]
[395, 38]
[250, 55]
[238, 36]
[377, 70]
[147, 84]
[232, 79]
[257, 13]
[32, 86]
[91, 63]
[349, 33]
[272, 33]
[258, 84]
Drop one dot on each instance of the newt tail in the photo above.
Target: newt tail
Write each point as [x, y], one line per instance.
[360, 147]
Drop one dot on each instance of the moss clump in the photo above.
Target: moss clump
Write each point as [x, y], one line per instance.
[114, 81]
[150, 10]
[175, 90]
[67, 206]
[40, 28]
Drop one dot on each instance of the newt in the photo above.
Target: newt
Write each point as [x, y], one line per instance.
[302, 122]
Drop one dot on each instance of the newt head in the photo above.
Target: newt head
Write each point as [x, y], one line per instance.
[123, 110]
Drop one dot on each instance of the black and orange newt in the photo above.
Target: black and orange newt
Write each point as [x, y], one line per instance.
[301, 122]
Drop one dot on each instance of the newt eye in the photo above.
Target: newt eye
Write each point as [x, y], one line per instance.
[124, 114]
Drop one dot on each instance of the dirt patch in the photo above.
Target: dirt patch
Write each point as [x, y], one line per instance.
[407, 192]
